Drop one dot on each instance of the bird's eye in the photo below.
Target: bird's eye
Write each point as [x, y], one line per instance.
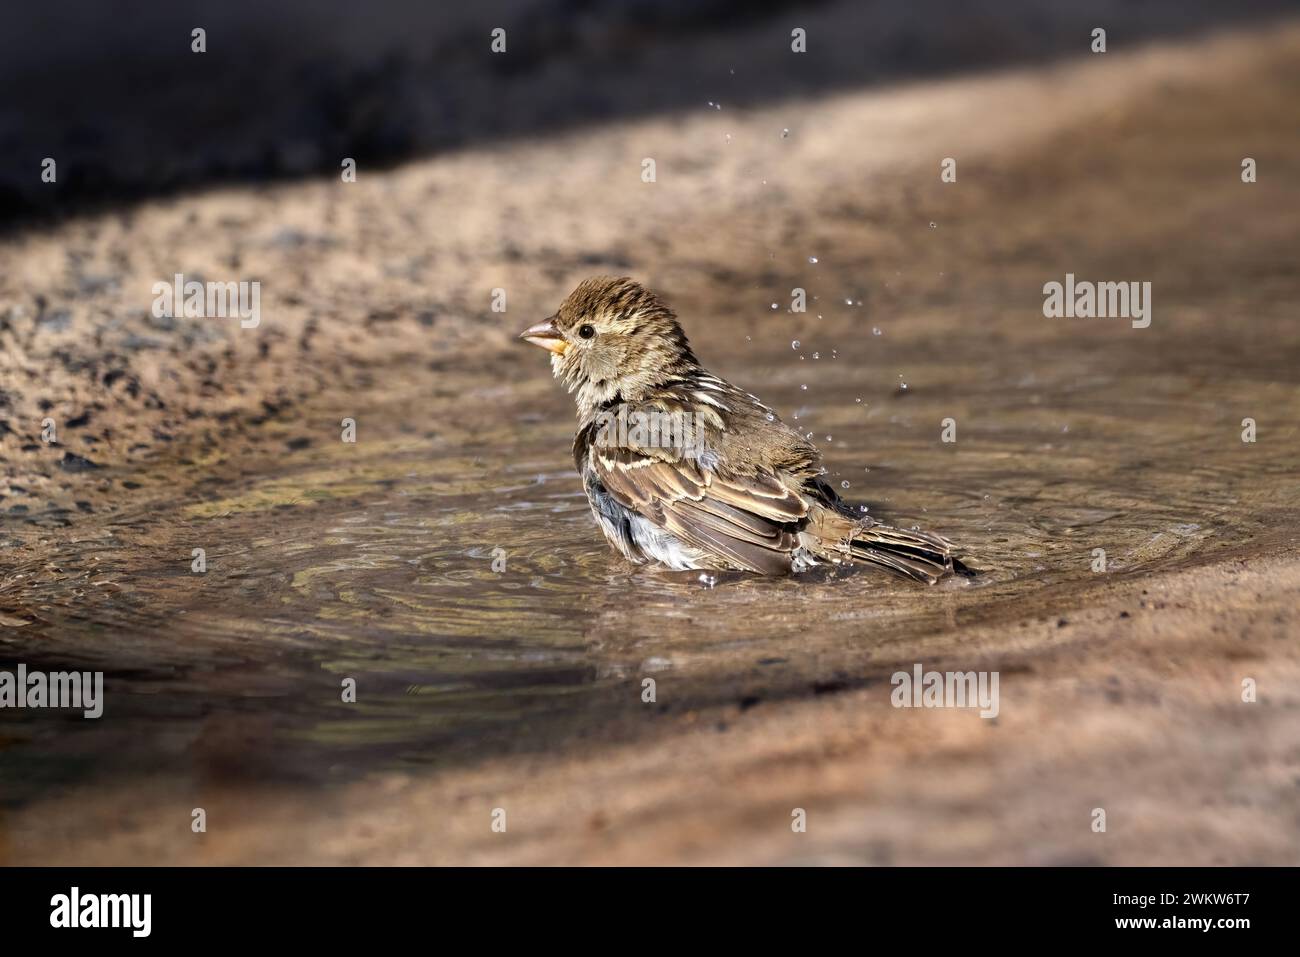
[586, 332]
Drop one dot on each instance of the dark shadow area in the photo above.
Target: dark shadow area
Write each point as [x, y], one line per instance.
[116, 96]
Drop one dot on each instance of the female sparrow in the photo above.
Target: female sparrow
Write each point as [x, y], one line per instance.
[683, 468]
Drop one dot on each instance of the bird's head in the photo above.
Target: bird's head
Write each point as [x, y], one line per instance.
[613, 339]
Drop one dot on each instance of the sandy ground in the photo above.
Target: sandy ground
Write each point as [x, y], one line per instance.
[1126, 696]
[1101, 714]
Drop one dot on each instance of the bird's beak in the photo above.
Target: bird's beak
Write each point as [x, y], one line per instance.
[545, 334]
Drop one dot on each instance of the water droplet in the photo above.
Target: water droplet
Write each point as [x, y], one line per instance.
[817, 355]
[770, 416]
[859, 399]
[785, 134]
[844, 484]
[773, 305]
[848, 302]
[813, 260]
[727, 137]
[794, 343]
[707, 580]
[934, 225]
[875, 331]
[804, 387]
[830, 439]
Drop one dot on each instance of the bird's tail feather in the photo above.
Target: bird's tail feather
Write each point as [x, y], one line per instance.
[919, 555]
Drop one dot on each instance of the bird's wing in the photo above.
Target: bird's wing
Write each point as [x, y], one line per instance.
[749, 520]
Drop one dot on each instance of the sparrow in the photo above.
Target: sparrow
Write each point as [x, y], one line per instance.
[685, 469]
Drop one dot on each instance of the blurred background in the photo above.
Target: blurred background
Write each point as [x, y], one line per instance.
[285, 89]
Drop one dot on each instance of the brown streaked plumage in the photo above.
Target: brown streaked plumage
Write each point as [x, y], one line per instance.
[743, 493]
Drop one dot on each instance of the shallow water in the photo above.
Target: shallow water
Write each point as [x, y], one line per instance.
[375, 560]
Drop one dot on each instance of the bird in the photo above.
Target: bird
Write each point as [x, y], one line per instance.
[683, 469]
